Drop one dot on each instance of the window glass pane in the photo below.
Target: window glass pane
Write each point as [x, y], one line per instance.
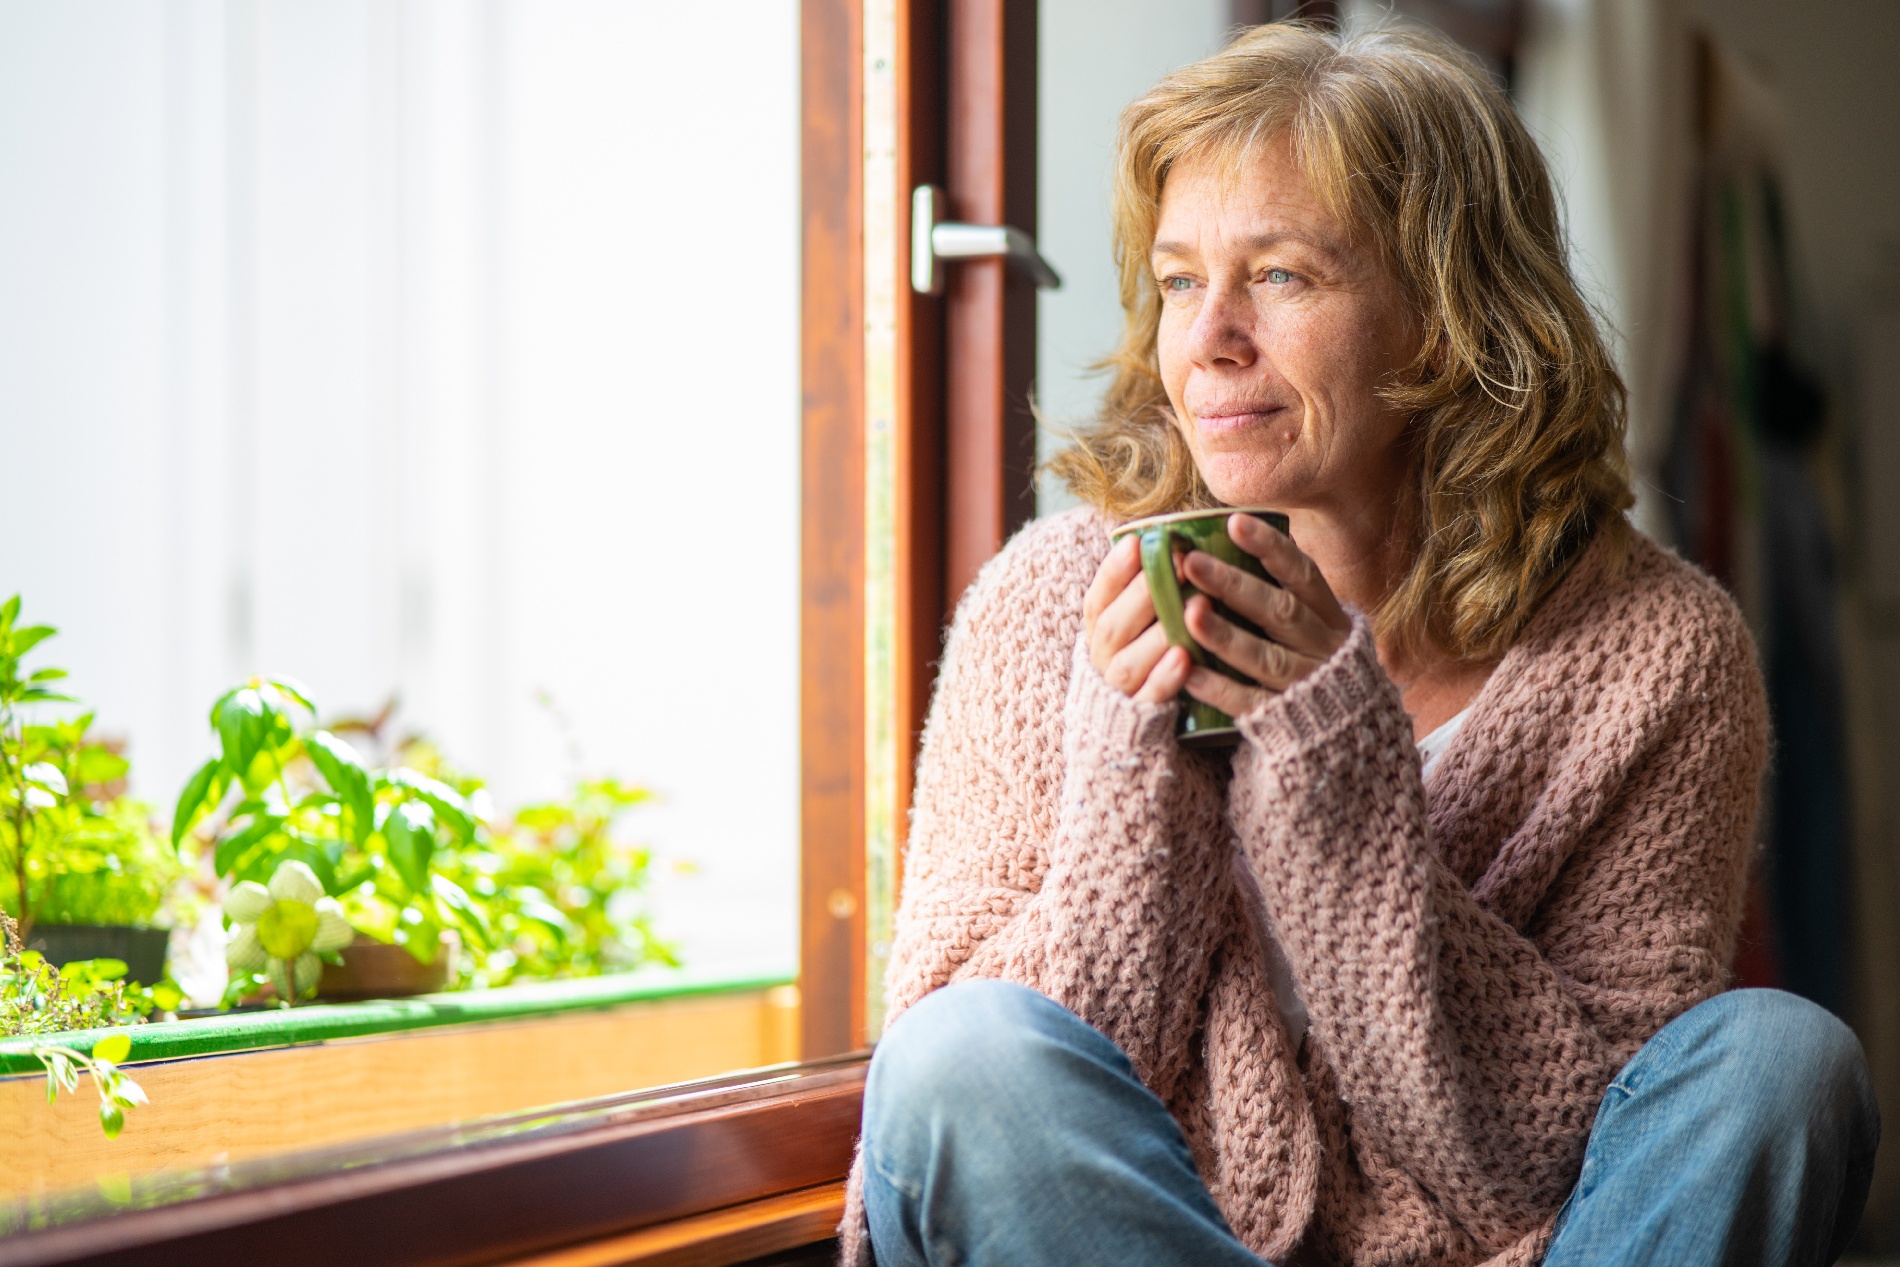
[432, 351]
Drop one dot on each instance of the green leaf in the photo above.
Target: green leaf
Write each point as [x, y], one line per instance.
[113, 1047]
[94, 970]
[343, 769]
[462, 908]
[409, 832]
[101, 765]
[24, 640]
[9, 610]
[243, 720]
[111, 1119]
[314, 855]
[295, 690]
[46, 675]
[449, 804]
[233, 851]
[548, 917]
[355, 878]
[35, 695]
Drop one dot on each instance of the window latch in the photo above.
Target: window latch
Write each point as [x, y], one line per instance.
[934, 240]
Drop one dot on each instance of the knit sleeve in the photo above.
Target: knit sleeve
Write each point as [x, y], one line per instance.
[1061, 838]
[1473, 1040]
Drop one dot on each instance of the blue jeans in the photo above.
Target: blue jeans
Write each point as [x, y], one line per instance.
[999, 1128]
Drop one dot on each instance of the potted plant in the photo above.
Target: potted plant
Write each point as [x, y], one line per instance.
[564, 889]
[79, 864]
[281, 789]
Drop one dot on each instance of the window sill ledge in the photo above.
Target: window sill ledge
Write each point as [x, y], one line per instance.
[266, 1084]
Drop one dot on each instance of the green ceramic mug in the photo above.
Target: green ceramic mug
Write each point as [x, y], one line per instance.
[1162, 538]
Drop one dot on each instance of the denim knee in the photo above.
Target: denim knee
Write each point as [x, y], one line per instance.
[960, 1055]
[1789, 1065]
[1793, 1050]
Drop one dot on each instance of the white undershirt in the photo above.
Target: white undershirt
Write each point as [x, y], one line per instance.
[1279, 972]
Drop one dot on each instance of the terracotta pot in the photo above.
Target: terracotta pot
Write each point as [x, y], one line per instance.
[376, 970]
[141, 949]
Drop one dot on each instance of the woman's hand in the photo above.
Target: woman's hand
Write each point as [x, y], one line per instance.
[1127, 645]
[1304, 622]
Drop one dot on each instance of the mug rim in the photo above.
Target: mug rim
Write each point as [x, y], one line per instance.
[1180, 516]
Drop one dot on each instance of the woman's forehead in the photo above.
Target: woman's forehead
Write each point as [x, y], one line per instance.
[1254, 199]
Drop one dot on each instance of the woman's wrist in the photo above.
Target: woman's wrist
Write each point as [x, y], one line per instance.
[1336, 694]
[1096, 713]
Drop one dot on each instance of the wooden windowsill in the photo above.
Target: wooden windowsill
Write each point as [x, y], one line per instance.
[717, 1239]
[222, 1109]
[712, 1171]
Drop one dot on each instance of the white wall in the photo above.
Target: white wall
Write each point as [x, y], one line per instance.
[1096, 56]
[428, 347]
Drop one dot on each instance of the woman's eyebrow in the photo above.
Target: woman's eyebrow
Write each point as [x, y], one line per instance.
[1258, 242]
[1266, 241]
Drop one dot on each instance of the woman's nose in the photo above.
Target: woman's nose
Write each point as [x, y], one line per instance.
[1222, 330]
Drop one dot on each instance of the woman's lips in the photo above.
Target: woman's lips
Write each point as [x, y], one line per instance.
[1229, 419]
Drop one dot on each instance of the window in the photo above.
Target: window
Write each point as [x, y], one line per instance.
[437, 353]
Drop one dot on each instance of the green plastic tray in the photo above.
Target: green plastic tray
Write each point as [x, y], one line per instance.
[316, 1023]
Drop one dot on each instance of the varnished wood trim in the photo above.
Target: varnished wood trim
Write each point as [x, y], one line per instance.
[504, 1195]
[719, 1239]
[831, 708]
[921, 608]
[989, 307]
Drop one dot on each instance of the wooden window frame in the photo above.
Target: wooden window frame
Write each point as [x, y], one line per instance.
[962, 439]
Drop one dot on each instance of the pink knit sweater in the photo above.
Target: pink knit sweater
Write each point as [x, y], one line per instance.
[1478, 956]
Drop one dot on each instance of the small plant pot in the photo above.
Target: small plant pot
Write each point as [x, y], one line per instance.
[141, 949]
[376, 970]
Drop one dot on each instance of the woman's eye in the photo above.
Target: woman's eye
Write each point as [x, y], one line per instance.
[1174, 285]
[1279, 276]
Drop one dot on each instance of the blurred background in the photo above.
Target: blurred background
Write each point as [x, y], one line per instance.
[444, 352]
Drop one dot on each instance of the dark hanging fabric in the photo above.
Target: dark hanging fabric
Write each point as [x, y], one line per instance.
[1749, 417]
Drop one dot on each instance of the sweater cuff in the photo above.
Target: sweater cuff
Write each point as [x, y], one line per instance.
[1323, 701]
[1100, 715]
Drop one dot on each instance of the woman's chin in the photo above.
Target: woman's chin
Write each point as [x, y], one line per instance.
[1246, 484]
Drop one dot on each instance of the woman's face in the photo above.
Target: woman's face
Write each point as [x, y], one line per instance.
[1276, 332]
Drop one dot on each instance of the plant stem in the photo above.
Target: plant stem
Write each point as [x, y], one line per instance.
[21, 817]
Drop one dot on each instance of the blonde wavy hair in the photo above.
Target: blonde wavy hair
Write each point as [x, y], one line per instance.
[1517, 411]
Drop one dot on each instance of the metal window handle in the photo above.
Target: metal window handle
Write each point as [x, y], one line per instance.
[933, 240]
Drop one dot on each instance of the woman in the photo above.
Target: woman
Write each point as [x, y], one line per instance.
[1449, 929]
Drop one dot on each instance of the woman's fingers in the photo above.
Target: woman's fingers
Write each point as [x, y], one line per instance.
[1169, 675]
[1288, 564]
[1122, 565]
[1130, 667]
[1286, 619]
[1127, 618]
[1231, 697]
[1129, 648]
[1272, 664]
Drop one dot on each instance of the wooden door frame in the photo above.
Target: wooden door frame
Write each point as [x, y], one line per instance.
[832, 541]
[989, 307]
[962, 443]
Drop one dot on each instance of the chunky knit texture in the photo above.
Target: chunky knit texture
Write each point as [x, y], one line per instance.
[1478, 957]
